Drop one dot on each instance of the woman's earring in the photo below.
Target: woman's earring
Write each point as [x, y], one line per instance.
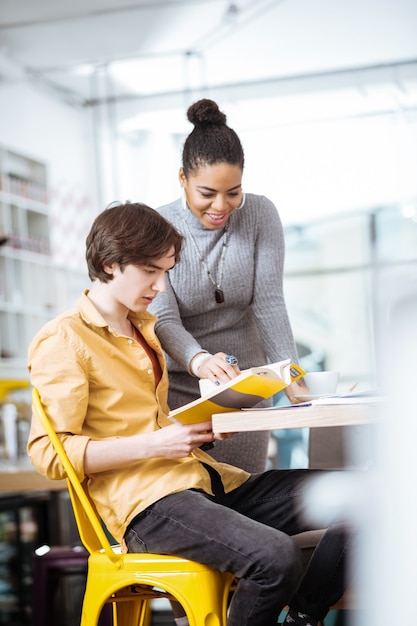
[242, 202]
[184, 199]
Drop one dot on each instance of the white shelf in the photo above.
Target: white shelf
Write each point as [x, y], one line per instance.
[27, 285]
[33, 289]
[22, 201]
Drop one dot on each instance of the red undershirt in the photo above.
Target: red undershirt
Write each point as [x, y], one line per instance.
[157, 371]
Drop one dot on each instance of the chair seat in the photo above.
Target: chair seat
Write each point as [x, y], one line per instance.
[137, 578]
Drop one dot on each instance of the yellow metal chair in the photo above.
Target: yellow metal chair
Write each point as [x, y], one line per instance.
[131, 581]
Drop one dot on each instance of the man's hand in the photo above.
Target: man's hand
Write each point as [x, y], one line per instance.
[173, 442]
[180, 440]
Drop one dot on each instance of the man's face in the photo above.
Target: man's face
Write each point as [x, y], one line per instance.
[137, 285]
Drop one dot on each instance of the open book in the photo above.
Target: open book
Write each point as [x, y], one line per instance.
[250, 387]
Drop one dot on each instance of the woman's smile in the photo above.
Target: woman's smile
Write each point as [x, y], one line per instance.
[217, 219]
[213, 193]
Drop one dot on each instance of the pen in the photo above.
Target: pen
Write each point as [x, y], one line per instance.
[207, 446]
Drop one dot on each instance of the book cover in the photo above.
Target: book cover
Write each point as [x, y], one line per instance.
[249, 388]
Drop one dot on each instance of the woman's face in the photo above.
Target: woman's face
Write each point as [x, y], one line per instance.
[213, 193]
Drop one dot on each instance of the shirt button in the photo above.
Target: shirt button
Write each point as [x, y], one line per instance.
[150, 372]
[130, 341]
[140, 325]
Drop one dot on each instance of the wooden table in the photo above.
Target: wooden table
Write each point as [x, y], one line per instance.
[308, 416]
[21, 476]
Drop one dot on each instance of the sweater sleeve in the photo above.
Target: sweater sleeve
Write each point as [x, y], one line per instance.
[268, 304]
[175, 339]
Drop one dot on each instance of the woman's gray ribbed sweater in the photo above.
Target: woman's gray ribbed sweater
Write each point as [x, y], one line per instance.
[251, 324]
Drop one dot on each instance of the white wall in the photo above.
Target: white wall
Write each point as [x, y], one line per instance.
[148, 168]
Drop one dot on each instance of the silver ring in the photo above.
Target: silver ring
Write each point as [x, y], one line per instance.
[232, 360]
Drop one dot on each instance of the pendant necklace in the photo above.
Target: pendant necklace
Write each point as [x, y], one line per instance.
[218, 291]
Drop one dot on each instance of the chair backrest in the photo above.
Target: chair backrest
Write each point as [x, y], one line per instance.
[88, 521]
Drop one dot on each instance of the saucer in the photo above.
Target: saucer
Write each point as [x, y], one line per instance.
[308, 397]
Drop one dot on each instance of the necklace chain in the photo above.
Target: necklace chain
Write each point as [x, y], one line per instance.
[219, 293]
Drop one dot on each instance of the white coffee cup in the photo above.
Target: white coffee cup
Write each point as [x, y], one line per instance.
[321, 383]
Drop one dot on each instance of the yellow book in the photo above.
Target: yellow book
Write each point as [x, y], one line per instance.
[247, 389]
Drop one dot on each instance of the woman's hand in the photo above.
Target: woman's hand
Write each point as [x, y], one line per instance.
[217, 369]
[294, 390]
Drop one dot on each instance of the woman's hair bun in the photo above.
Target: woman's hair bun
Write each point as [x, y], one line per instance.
[204, 112]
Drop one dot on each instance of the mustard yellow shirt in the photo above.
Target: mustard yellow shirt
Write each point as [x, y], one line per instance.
[97, 384]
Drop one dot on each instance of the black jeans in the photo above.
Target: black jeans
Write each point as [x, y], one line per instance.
[247, 532]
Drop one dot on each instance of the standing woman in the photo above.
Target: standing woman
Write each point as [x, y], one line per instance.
[223, 309]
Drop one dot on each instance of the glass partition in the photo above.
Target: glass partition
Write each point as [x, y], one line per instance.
[341, 275]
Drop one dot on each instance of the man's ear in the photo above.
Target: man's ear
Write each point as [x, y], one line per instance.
[109, 269]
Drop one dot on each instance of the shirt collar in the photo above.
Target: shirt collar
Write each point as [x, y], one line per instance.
[90, 315]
